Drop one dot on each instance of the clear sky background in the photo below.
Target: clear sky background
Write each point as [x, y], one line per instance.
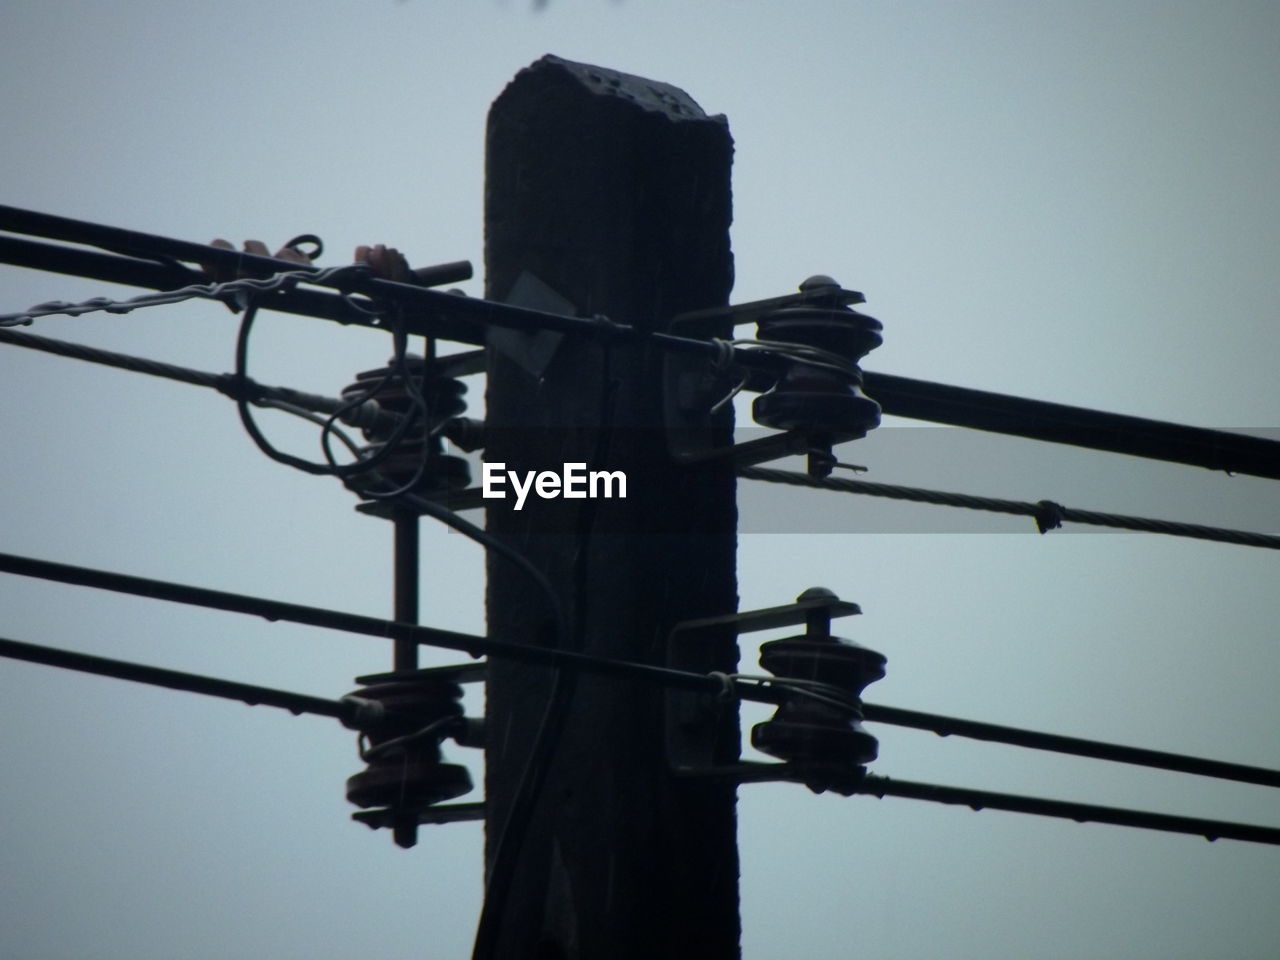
[1070, 201]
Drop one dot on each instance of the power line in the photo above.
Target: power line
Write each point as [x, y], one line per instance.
[368, 415]
[347, 710]
[136, 243]
[1075, 426]
[434, 313]
[365, 415]
[1046, 513]
[1054, 743]
[271, 610]
[138, 272]
[879, 786]
[775, 691]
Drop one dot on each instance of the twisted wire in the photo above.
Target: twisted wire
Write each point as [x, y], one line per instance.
[226, 291]
[1046, 513]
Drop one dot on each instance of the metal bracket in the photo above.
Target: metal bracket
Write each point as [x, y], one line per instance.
[441, 813]
[453, 673]
[692, 718]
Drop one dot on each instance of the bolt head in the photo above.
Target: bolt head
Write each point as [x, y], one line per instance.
[817, 593]
[818, 281]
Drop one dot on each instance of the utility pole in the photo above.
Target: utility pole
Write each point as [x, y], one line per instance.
[614, 192]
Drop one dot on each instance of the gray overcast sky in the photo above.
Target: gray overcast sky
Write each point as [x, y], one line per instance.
[1071, 201]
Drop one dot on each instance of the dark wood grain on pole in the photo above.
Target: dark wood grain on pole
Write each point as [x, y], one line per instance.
[613, 191]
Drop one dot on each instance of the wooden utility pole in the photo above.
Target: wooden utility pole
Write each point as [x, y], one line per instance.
[614, 192]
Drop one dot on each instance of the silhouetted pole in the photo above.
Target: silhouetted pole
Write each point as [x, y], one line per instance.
[614, 192]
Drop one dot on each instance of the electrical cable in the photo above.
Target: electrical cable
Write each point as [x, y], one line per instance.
[418, 407]
[801, 353]
[240, 395]
[369, 417]
[465, 319]
[1046, 513]
[368, 753]
[323, 422]
[225, 291]
[1073, 746]
[945, 726]
[976, 800]
[252, 694]
[353, 712]
[775, 692]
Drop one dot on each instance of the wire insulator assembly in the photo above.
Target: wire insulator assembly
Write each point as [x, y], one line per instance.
[411, 388]
[821, 731]
[820, 396]
[405, 772]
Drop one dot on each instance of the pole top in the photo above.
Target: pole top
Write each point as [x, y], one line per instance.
[653, 96]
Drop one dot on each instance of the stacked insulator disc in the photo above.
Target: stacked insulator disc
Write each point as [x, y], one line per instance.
[821, 399]
[442, 397]
[405, 772]
[821, 730]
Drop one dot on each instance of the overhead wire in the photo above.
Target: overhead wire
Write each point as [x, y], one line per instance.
[258, 394]
[346, 710]
[466, 319]
[880, 786]
[241, 397]
[418, 409]
[325, 423]
[226, 291]
[1047, 514]
[745, 687]
[358, 713]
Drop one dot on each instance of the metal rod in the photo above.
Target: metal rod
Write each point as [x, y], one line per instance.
[946, 726]
[252, 694]
[405, 653]
[1080, 812]
[405, 575]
